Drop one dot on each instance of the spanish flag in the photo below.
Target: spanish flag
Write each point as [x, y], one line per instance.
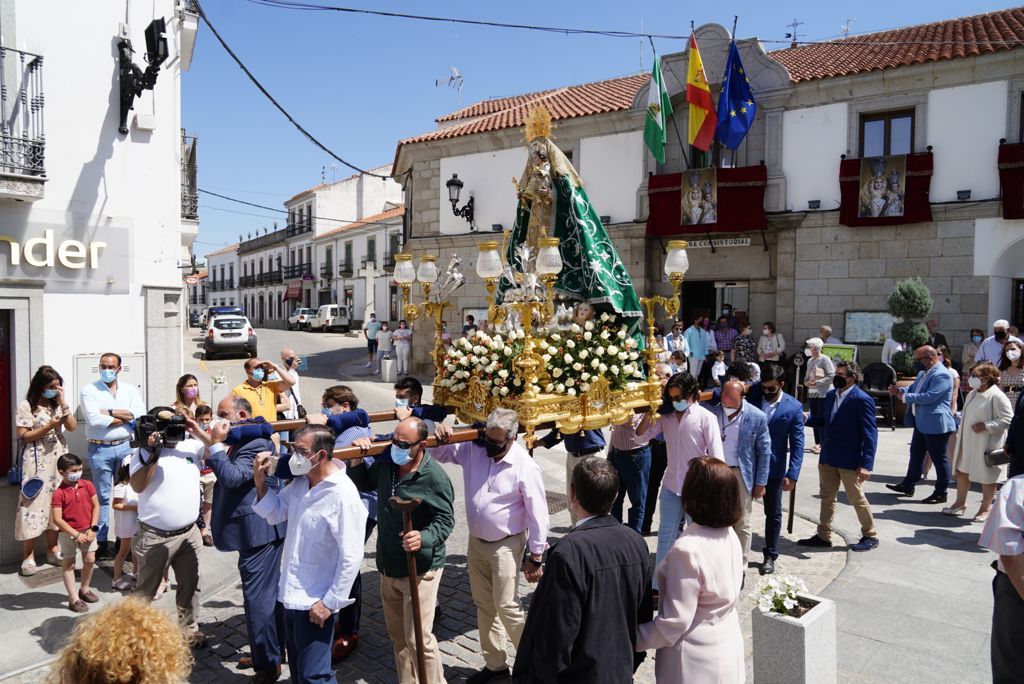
[703, 119]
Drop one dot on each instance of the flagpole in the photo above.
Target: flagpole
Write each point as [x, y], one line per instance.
[675, 126]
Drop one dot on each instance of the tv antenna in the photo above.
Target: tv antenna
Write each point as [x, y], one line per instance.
[453, 81]
[845, 28]
[794, 35]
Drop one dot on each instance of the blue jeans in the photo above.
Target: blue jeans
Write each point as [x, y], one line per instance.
[104, 462]
[633, 467]
[935, 445]
[309, 647]
[671, 521]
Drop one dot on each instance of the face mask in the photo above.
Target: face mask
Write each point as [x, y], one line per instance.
[401, 403]
[205, 427]
[1000, 334]
[770, 396]
[1013, 354]
[807, 352]
[273, 377]
[839, 382]
[974, 382]
[74, 477]
[190, 392]
[681, 405]
[291, 361]
[49, 393]
[107, 375]
[299, 464]
[766, 331]
[326, 411]
[976, 339]
[259, 374]
[400, 456]
[493, 449]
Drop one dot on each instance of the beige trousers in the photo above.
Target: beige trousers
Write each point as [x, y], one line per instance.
[397, 601]
[154, 554]
[494, 583]
[830, 478]
[743, 527]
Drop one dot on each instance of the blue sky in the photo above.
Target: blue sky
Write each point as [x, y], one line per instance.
[361, 83]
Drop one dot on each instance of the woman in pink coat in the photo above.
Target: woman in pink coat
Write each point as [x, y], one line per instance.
[697, 631]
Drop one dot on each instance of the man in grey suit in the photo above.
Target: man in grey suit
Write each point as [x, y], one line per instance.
[747, 445]
[237, 528]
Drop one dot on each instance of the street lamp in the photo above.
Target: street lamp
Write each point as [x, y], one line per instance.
[455, 186]
[489, 268]
[676, 265]
[548, 266]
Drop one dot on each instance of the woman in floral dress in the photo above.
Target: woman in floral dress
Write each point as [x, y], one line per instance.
[1011, 370]
[40, 421]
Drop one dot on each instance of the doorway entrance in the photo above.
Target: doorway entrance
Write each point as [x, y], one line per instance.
[698, 300]
[6, 390]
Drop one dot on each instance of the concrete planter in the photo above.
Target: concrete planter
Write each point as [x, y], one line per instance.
[790, 650]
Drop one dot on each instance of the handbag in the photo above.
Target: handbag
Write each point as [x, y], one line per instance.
[14, 474]
[300, 410]
[31, 487]
[996, 457]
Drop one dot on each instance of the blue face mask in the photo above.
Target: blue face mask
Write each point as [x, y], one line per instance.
[681, 405]
[107, 375]
[401, 403]
[49, 393]
[259, 374]
[400, 456]
[326, 411]
[977, 339]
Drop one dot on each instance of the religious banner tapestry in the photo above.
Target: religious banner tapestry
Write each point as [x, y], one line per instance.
[1011, 179]
[702, 201]
[885, 191]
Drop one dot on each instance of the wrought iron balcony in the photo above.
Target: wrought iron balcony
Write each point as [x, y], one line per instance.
[345, 269]
[389, 262]
[299, 227]
[189, 181]
[22, 139]
[247, 281]
[298, 270]
[327, 270]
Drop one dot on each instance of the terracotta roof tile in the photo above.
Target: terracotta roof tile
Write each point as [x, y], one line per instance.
[223, 250]
[938, 41]
[382, 217]
[612, 95]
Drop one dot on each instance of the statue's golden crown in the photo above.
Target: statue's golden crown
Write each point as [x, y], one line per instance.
[538, 123]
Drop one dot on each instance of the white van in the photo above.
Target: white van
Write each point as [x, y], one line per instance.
[330, 317]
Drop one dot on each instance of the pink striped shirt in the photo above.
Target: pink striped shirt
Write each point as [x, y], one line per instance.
[688, 436]
[1004, 530]
[624, 436]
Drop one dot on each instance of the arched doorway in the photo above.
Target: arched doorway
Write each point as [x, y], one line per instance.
[1006, 286]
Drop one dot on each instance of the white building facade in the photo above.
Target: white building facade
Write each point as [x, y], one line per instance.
[222, 267]
[94, 224]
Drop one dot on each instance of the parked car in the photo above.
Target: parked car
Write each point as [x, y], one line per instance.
[330, 317]
[193, 319]
[300, 319]
[229, 333]
[211, 311]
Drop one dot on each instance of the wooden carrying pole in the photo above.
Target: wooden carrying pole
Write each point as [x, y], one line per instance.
[407, 506]
[352, 452]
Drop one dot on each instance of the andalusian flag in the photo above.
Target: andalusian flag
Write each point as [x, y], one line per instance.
[659, 108]
[698, 93]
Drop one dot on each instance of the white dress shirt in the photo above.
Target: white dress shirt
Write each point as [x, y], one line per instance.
[731, 434]
[840, 395]
[96, 397]
[171, 500]
[323, 548]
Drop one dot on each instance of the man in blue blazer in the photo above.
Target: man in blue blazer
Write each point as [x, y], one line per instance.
[929, 411]
[786, 427]
[237, 528]
[747, 447]
[849, 442]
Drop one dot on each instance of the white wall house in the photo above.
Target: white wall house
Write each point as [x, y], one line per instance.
[222, 266]
[94, 227]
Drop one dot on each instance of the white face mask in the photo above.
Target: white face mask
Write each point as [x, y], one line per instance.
[1013, 354]
[766, 331]
[807, 352]
[299, 464]
[974, 382]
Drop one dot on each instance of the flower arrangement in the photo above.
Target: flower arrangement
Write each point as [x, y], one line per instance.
[574, 358]
[778, 594]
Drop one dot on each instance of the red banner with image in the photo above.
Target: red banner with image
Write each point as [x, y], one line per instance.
[739, 200]
[1011, 179]
[913, 193]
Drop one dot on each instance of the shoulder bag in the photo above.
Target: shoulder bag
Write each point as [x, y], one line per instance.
[14, 474]
[31, 487]
[996, 457]
[300, 410]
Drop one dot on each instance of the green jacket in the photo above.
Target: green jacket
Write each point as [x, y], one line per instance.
[434, 518]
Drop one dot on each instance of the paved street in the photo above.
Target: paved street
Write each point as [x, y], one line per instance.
[914, 610]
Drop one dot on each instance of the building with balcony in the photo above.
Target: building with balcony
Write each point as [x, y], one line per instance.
[262, 267]
[356, 262]
[788, 245]
[197, 292]
[93, 235]
[222, 266]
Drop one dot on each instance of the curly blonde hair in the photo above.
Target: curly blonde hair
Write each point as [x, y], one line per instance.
[130, 642]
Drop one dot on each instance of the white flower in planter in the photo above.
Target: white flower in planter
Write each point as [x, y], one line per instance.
[603, 368]
[585, 376]
[778, 594]
[623, 356]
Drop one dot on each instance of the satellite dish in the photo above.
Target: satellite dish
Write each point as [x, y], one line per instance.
[452, 81]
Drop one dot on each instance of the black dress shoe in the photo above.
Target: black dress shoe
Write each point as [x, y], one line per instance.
[486, 675]
[900, 489]
[815, 541]
[935, 498]
[768, 567]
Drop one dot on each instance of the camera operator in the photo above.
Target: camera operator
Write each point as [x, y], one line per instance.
[165, 473]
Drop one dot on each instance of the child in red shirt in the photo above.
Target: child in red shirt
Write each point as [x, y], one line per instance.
[76, 511]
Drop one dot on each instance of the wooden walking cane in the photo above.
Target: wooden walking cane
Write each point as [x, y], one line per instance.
[407, 506]
[792, 505]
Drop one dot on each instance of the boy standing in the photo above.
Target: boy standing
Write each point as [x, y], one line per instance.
[76, 513]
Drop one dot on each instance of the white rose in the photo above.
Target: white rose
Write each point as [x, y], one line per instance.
[494, 391]
[605, 335]
[633, 356]
[589, 325]
[614, 370]
[550, 387]
[508, 351]
[567, 358]
[587, 335]
[613, 350]
[503, 374]
[584, 353]
[552, 349]
[556, 337]
[556, 373]
[585, 376]
[584, 387]
[630, 386]
[560, 388]
[570, 344]
[577, 366]
[595, 363]
[464, 361]
[599, 351]
[603, 368]
[451, 367]
[504, 391]
[605, 317]
[574, 328]
[622, 334]
[623, 356]
[571, 392]
[546, 357]
[570, 382]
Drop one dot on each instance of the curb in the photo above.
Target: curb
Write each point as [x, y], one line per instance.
[842, 535]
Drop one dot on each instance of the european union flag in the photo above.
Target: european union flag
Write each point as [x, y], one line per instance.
[736, 108]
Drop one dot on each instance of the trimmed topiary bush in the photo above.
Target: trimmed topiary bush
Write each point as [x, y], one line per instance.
[910, 299]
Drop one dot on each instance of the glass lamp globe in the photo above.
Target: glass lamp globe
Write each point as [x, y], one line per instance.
[404, 271]
[676, 262]
[488, 262]
[549, 258]
[427, 271]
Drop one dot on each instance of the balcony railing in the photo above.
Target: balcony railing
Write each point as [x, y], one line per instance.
[247, 281]
[298, 270]
[369, 261]
[327, 270]
[345, 269]
[189, 177]
[299, 227]
[389, 262]
[22, 139]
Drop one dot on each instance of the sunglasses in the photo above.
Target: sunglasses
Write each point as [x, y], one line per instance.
[403, 445]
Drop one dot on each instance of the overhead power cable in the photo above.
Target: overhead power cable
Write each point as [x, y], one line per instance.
[281, 211]
[309, 136]
[301, 5]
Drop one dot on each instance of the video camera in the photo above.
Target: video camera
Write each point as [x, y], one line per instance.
[161, 420]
